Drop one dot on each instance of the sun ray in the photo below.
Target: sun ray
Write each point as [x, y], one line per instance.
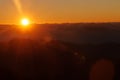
[18, 6]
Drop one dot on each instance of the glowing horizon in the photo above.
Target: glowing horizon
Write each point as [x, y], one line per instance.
[60, 11]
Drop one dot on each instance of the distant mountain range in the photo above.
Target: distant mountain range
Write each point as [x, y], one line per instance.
[79, 33]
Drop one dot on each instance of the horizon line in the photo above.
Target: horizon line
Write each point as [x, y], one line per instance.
[63, 23]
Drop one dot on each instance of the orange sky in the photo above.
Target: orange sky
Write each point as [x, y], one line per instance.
[59, 11]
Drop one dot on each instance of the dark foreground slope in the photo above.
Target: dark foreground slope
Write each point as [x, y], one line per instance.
[60, 52]
[25, 59]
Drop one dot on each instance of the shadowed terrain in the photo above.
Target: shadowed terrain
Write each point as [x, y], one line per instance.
[61, 52]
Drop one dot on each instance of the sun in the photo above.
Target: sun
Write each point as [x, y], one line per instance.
[25, 22]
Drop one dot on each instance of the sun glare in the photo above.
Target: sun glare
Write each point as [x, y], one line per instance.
[25, 22]
[25, 25]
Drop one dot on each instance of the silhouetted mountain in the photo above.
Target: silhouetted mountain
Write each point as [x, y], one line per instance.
[84, 33]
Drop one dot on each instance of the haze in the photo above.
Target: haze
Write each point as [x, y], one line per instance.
[61, 11]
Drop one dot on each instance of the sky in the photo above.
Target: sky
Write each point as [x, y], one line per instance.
[59, 11]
